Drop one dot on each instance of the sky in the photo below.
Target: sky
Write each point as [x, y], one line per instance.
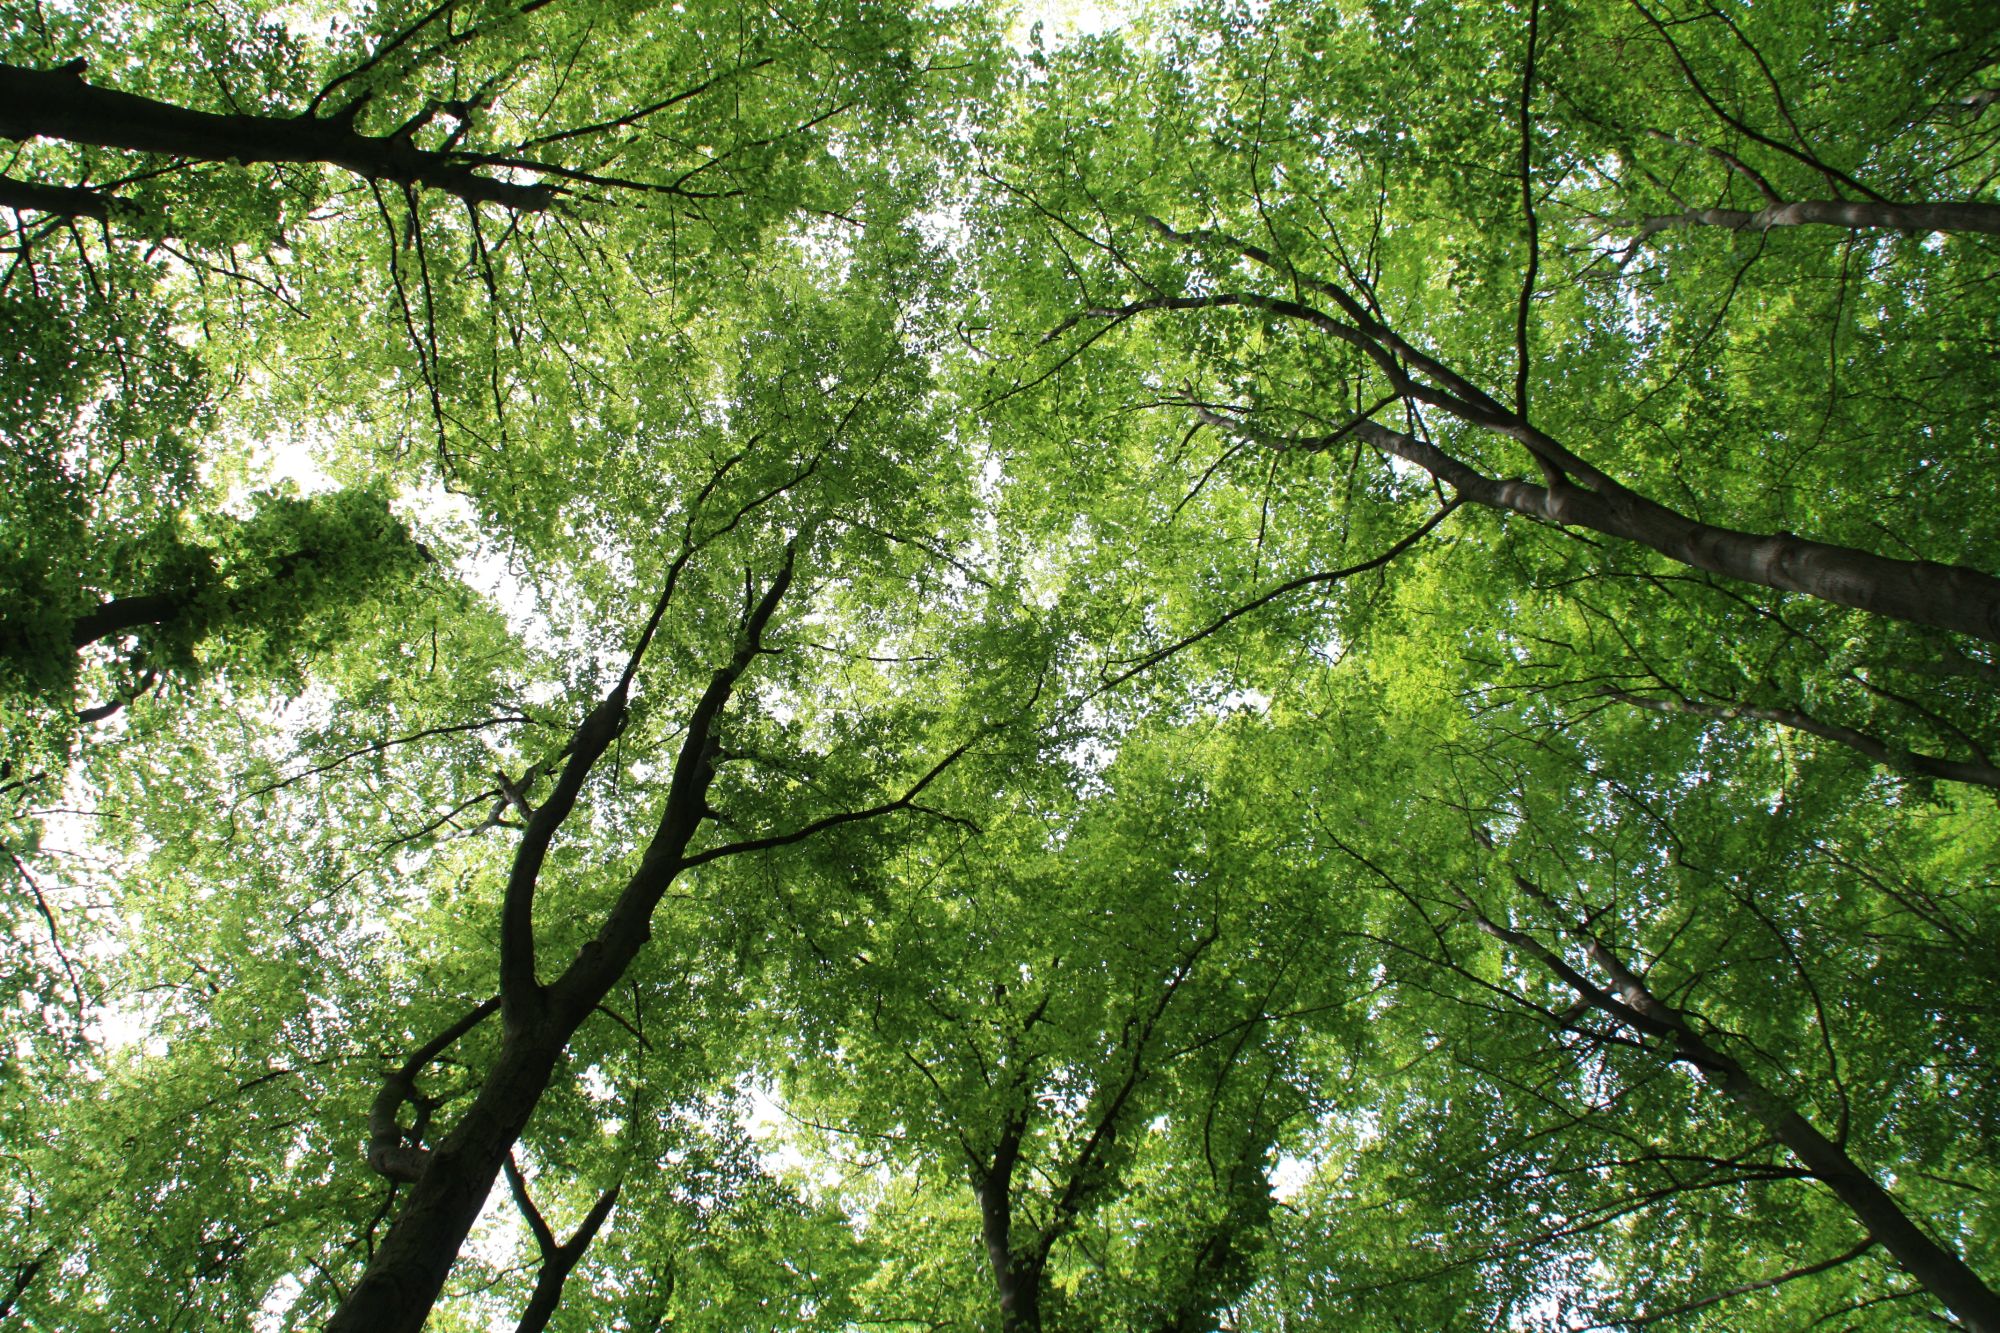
[1063, 18]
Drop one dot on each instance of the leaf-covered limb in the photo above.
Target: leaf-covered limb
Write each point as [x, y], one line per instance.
[1872, 747]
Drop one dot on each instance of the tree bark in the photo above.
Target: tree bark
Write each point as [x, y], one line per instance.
[388, 1153]
[58, 104]
[1954, 216]
[396, 1291]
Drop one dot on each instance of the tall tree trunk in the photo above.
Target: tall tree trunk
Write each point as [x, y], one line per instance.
[59, 104]
[396, 1291]
[401, 1283]
[1631, 1004]
[1950, 597]
[1017, 1277]
[1955, 216]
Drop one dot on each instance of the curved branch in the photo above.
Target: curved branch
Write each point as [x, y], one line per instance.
[379, 747]
[1761, 1284]
[1154, 658]
[122, 615]
[907, 801]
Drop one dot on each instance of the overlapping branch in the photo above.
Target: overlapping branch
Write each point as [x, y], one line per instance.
[1573, 491]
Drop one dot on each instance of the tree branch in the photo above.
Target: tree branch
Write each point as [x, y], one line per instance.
[1154, 658]
[1950, 216]
[1762, 1284]
[1871, 747]
[388, 1154]
[66, 201]
[1935, 1265]
[58, 104]
[907, 801]
[1528, 209]
[558, 1260]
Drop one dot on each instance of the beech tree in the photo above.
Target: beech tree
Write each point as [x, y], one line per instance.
[1097, 1108]
[788, 666]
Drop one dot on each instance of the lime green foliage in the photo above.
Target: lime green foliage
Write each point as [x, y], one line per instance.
[1300, 666]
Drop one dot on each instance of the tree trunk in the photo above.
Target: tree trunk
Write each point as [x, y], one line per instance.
[1017, 1278]
[58, 104]
[1837, 213]
[401, 1283]
[1941, 1271]
[1950, 597]
[1630, 1003]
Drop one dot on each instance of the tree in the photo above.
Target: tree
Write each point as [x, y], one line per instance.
[1314, 665]
[1112, 1100]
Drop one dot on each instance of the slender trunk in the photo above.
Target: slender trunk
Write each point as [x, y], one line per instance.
[1939, 1269]
[548, 1292]
[1950, 597]
[1017, 1278]
[1630, 1003]
[1954, 216]
[24, 1277]
[396, 1291]
[558, 1261]
[58, 104]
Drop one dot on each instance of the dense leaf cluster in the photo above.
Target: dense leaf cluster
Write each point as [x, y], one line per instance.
[810, 664]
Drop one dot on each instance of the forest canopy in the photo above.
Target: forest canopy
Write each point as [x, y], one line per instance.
[807, 664]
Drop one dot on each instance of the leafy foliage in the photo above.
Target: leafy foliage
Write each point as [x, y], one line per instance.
[809, 665]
